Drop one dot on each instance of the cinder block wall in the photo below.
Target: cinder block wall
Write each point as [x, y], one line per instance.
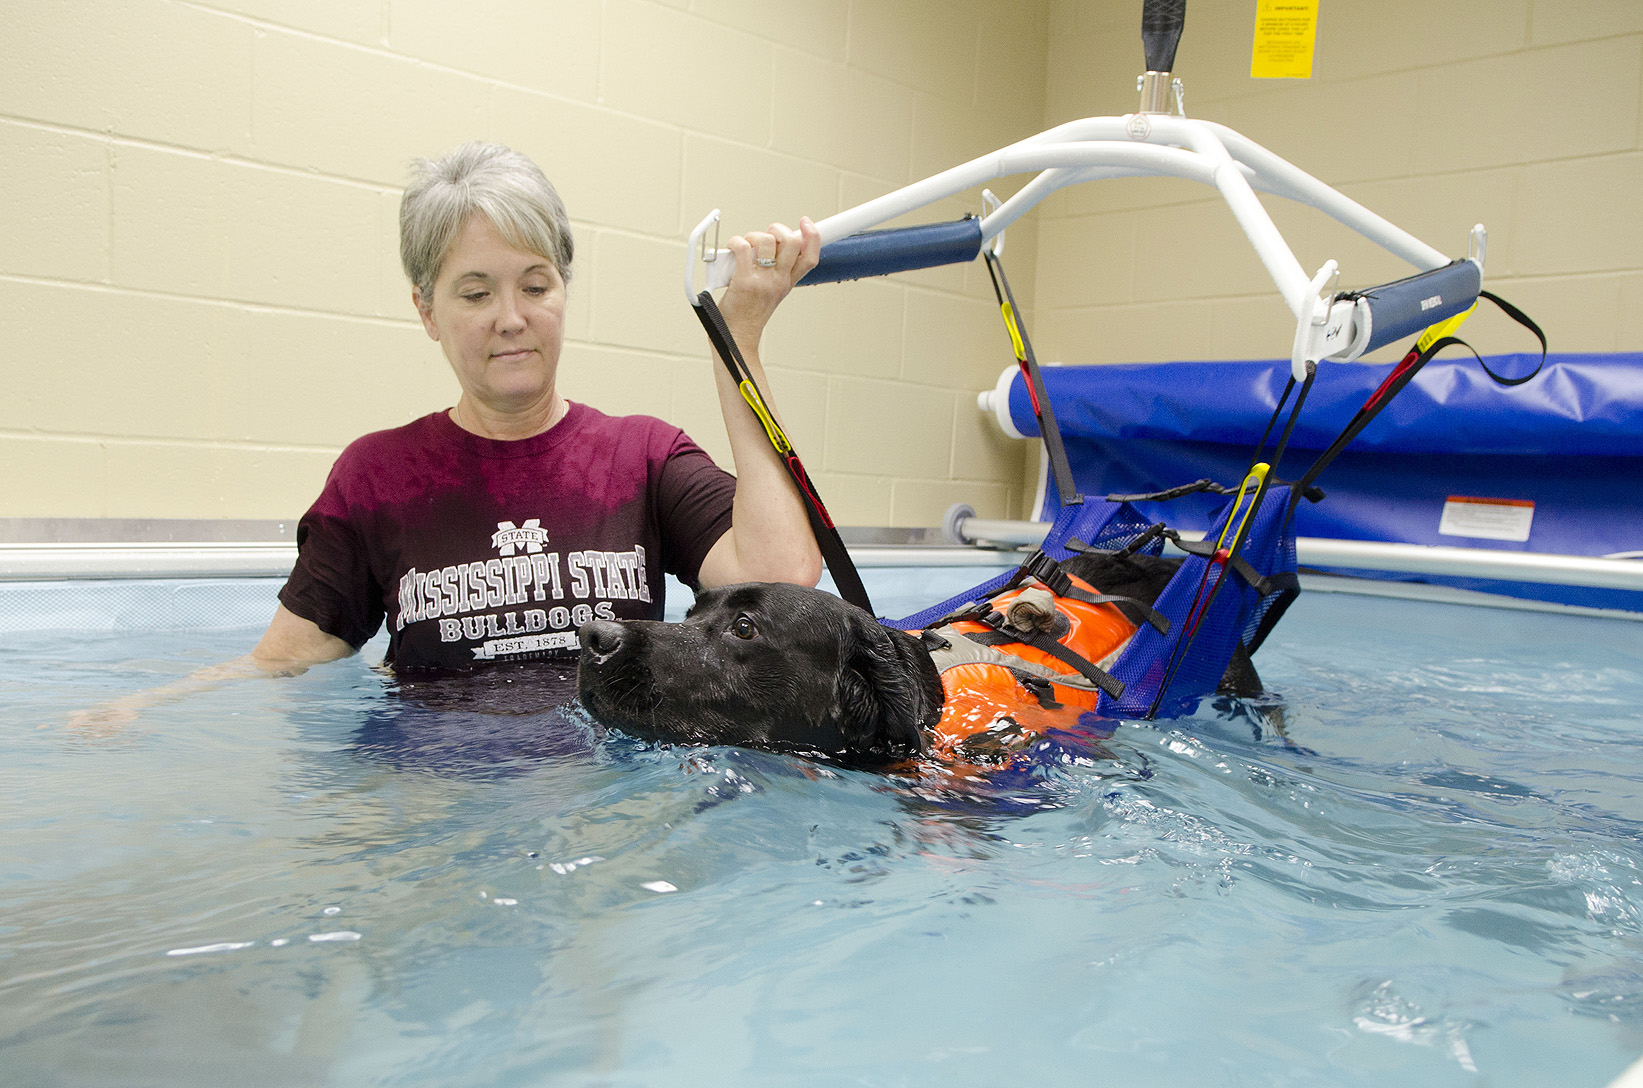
[202, 300]
[199, 282]
[1519, 114]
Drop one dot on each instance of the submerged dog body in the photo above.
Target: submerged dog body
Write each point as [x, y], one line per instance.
[786, 668]
[764, 665]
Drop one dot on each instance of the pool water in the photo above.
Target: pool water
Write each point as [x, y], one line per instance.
[1431, 874]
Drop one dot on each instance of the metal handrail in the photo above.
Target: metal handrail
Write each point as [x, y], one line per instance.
[241, 559]
[1311, 551]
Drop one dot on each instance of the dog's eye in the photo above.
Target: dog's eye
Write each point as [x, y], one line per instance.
[743, 627]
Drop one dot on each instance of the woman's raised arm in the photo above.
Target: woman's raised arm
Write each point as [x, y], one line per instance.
[769, 539]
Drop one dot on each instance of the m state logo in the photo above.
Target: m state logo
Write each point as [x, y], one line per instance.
[510, 538]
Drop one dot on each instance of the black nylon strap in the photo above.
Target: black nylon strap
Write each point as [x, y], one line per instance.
[1005, 636]
[1203, 549]
[1197, 486]
[1527, 322]
[1234, 561]
[1372, 408]
[1260, 447]
[832, 548]
[1037, 686]
[1061, 585]
[1288, 588]
[1369, 411]
[1047, 429]
[1150, 534]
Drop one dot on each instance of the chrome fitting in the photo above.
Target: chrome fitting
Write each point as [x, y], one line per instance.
[1155, 92]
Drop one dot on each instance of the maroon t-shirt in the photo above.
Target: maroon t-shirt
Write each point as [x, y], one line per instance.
[477, 550]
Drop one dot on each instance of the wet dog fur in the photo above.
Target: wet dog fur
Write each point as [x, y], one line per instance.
[790, 669]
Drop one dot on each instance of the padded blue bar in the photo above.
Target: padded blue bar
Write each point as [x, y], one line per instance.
[1581, 405]
[881, 252]
[1570, 441]
[1407, 307]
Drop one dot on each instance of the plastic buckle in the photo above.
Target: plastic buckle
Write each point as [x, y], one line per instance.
[933, 640]
[1039, 565]
[1039, 688]
[971, 611]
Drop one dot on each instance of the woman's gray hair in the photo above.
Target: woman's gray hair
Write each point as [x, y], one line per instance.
[508, 188]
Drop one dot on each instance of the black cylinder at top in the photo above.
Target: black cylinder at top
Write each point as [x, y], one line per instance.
[1161, 23]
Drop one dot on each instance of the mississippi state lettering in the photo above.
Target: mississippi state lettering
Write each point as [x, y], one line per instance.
[473, 587]
[530, 621]
[463, 597]
[617, 575]
[473, 549]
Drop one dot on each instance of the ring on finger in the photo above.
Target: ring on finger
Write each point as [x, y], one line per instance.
[765, 262]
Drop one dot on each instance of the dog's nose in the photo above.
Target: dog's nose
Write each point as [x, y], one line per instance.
[600, 638]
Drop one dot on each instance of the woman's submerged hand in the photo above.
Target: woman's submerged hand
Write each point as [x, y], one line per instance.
[110, 717]
[287, 648]
[768, 264]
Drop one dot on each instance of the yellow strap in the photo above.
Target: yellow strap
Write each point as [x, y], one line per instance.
[1446, 327]
[771, 427]
[1251, 484]
[1015, 333]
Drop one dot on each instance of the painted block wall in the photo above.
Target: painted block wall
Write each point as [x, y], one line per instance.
[199, 278]
[1519, 114]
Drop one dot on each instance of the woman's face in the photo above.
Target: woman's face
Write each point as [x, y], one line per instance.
[499, 315]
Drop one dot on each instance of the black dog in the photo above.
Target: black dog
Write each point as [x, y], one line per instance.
[785, 668]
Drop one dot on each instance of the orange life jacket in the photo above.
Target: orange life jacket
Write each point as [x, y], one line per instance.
[989, 710]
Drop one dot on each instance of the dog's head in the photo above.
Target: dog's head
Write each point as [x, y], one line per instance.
[764, 665]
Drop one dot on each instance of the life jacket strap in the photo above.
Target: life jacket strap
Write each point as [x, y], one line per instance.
[948, 653]
[1004, 635]
[1038, 687]
[1043, 568]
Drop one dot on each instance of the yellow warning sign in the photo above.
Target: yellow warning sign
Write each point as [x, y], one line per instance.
[1285, 31]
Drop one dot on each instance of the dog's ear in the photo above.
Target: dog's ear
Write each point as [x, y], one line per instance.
[890, 691]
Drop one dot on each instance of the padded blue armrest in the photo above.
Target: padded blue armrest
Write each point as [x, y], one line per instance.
[881, 252]
[1407, 307]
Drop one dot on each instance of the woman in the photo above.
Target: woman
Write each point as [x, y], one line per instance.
[492, 531]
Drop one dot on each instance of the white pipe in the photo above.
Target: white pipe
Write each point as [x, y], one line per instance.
[999, 219]
[1311, 551]
[40, 562]
[1270, 173]
[1151, 158]
[1121, 159]
[1287, 179]
[55, 562]
[1099, 147]
[904, 555]
[1000, 531]
[1539, 567]
[1426, 591]
[1263, 234]
[1139, 145]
